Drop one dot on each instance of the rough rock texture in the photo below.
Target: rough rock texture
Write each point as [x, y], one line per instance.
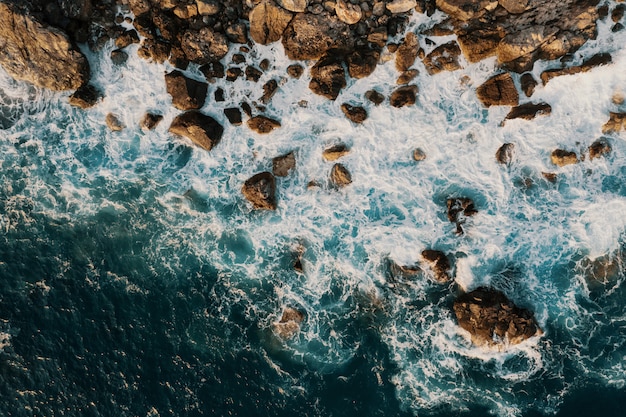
[114, 123]
[296, 6]
[204, 46]
[401, 6]
[328, 77]
[335, 152]
[289, 324]
[528, 84]
[355, 114]
[493, 320]
[340, 176]
[616, 122]
[310, 36]
[187, 94]
[529, 111]
[403, 96]
[362, 62]
[347, 12]
[374, 96]
[281, 165]
[268, 22]
[499, 90]
[262, 124]
[439, 265]
[86, 96]
[443, 58]
[260, 190]
[407, 52]
[201, 129]
[504, 154]
[459, 209]
[599, 148]
[233, 114]
[39, 54]
[594, 61]
[419, 154]
[150, 121]
[562, 157]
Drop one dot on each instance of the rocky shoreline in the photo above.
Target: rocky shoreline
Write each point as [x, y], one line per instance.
[332, 40]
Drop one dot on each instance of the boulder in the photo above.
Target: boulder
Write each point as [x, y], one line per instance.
[596, 60]
[504, 154]
[86, 96]
[401, 6]
[213, 70]
[260, 190]
[362, 62]
[269, 89]
[204, 46]
[208, 7]
[295, 70]
[464, 9]
[407, 76]
[114, 123]
[529, 111]
[443, 58]
[289, 324]
[328, 77]
[335, 152]
[355, 114]
[268, 22]
[233, 114]
[439, 265]
[281, 165]
[616, 122]
[407, 52]
[340, 176]
[493, 320]
[599, 148]
[296, 6]
[523, 43]
[310, 36]
[562, 157]
[374, 96]
[119, 57]
[528, 84]
[201, 129]
[478, 43]
[418, 154]
[187, 94]
[262, 124]
[150, 121]
[499, 90]
[39, 54]
[347, 12]
[403, 96]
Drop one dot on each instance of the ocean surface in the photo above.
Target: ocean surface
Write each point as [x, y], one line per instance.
[135, 279]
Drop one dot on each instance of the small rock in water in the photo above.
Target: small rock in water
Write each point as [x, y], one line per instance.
[403, 96]
[550, 176]
[269, 88]
[439, 265]
[562, 157]
[356, 114]
[114, 123]
[260, 190]
[262, 124]
[150, 121]
[119, 57]
[328, 77]
[374, 96]
[213, 70]
[281, 165]
[253, 74]
[458, 210]
[85, 97]
[529, 111]
[295, 70]
[201, 129]
[335, 152]
[233, 114]
[528, 84]
[599, 148]
[340, 176]
[616, 122]
[498, 91]
[443, 58]
[504, 154]
[419, 154]
[289, 324]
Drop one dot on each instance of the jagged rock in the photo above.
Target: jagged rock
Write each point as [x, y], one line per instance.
[185, 11]
[253, 74]
[498, 91]
[504, 154]
[403, 96]
[295, 70]
[213, 70]
[127, 38]
[439, 265]
[493, 320]
[603, 269]
[374, 96]
[119, 57]
[464, 9]
[296, 6]
[262, 124]
[401, 6]
[347, 12]
[479, 43]
[340, 176]
[514, 6]
[310, 36]
[328, 77]
[233, 114]
[549, 176]
[86, 96]
[335, 152]
[528, 84]
[114, 123]
[268, 22]
[362, 62]
[407, 52]
[529, 111]
[407, 76]
[523, 43]
[599, 148]
[458, 211]
[596, 60]
[281, 165]
[356, 114]
[204, 46]
[616, 122]
[237, 32]
[233, 73]
[289, 324]
[562, 157]
[443, 58]
[208, 7]
[418, 154]
[201, 129]
[150, 121]
[260, 190]
[39, 54]
[187, 94]
[269, 89]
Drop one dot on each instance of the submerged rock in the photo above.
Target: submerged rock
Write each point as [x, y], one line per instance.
[150, 121]
[201, 129]
[281, 165]
[439, 265]
[560, 157]
[289, 324]
[493, 320]
[499, 90]
[458, 211]
[260, 190]
[187, 94]
[114, 123]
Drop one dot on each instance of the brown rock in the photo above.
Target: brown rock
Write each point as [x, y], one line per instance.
[237, 32]
[407, 76]
[208, 7]
[253, 74]
[187, 94]
[268, 22]
[289, 324]
[281, 165]
[269, 89]
[599, 148]
[233, 114]
[443, 58]
[213, 70]
[493, 320]
[356, 114]
[439, 265]
[204, 46]
[201, 129]
[347, 12]
[550, 176]
[418, 154]
[504, 154]
[515, 6]
[479, 43]
[150, 121]
[522, 43]
[362, 62]
[529, 111]
[335, 152]
[295, 70]
[119, 57]
[262, 124]
[401, 6]
[528, 84]
[296, 6]
[498, 91]
[127, 38]
[374, 96]
[310, 36]
[407, 52]
[114, 123]
[596, 60]
[616, 122]
[340, 176]
[86, 96]
[260, 190]
[561, 157]
[463, 9]
[328, 77]
[403, 96]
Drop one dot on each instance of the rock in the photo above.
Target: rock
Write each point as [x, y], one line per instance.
[212, 70]
[528, 84]
[39, 54]
[204, 46]
[150, 121]
[514, 6]
[616, 122]
[549, 176]
[127, 38]
[155, 50]
[119, 57]
[253, 74]
[458, 211]
[260, 190]
[599, 148]
[233, 114]
[335, 152]
[618, 13]
[561, 157]
[463, 9]
[269, 89]
[310, 36]
[504, 154]
[208, 7]
[407, 52]
[85, 97]
[237, 32]
[289, 324]
[498, 91]
[443, 58]
[296, 6]
[218, 95]
[268, 22]
[418, 154]
[403, 96]
[187, 94]
[439, 265]
[362, 62]
[479, 43]
[114, 123]
[295, 70]
[201, 129]
[602, 270]
[340, 176]
[493, 320]
[374, 96]
[401, 6]
[347, 12]
[186, 11]
[262, 124]
[281, 165]
[328, 77]
[233, 73]
[407, 76]
[398, 273]
[596, 60]
[529, 111]
[355, 114]
[523, 43]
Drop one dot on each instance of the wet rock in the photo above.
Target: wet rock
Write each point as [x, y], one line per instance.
[347, 12]
[602, 270]
[187, 94]
[498, 91]
[119, 57]
[127, 38]
[599, 148]
[355, 114]
[328, 77]
[407, 52]
[374, 96]
[464, 9]
[362, 62]
[114, 123]
[150, 121]
[233, 114]
[39, 54]
[523, 43]
[418, 154]
[289, 325]
[208, 7]
[335, 152]
[212, 70]
[549, 176]
[237, 32]
[401, 6]
[616, 122]
[262, 124]
[85, 97]
[269, 89]
[407, 76]
[493, 320]
[618, 13]
[439, 265]
[340, 176]
[296, 6]
[478, 43]
[253, 74]
[398, 273]
[201, 129]
[268, 22]
[281, 165]
[260, 190]
[459, 209]
[204, 46]
[504, 154]
[403, 96]
[562, 157]
[617, 27]
[155, 50]
[528, 84]
[595, 61]
[443, 58]
[218, 95]
[529, 111]
[310, 36]
[233, 73]
[295, 70]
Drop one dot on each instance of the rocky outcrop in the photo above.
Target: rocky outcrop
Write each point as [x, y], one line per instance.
[560, 157]
[493, 320]
[187, 94]
[599, 148]
[201, 129]
[340, 176]
[529, 111]
[439, 265]
[498, 90]
[328, 77]
[289, 325]
[150, 121]
[335, 152]
[616, 122]
[268, 22]
[355, 114]
[403, 96]
[281, 165]
[39, 54]
[310, 36]
[262, 124]
[443, 58]
[504, 154]
[260, 190]
[595, 61]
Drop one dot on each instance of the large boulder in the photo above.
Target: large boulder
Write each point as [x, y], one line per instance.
[260, 190]
[529, 111]
[493, 320]
[201, 129]
[328, 77]
[443, 58]
[403, 96]
[499, 90]
[407, 52]
[39, 54]
[310, 36]
[561, 157]
[340, 176]
[204, 46]
[187, 94]
[268, 22]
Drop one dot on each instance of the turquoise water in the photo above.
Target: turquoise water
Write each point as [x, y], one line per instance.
[136, 280]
